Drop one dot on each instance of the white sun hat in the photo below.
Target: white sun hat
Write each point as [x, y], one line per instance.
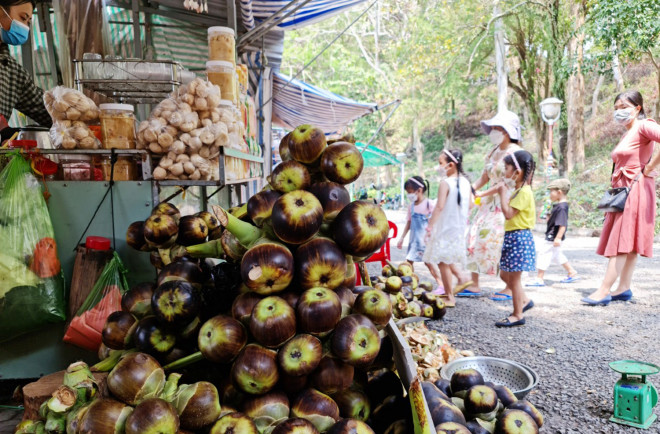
[505, 119]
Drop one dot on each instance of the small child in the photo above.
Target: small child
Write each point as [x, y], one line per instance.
[417, 220]
[555, 233]
[448, 223]
[518, 252]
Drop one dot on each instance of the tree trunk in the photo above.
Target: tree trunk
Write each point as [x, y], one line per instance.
[449, 126]
[594, 98]
[616, 70]
[575, 93]
[500, 61]
[419, 148]
[563, 149]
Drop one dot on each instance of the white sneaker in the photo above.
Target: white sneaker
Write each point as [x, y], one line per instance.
[535, 282]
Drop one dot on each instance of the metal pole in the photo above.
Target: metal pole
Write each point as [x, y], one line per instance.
[548, 159]
[402, 183]
[137, 36]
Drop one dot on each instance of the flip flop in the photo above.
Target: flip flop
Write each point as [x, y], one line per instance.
[459, 288]
[449, 304]
[468, 293]
[570, 279]
[499, 296]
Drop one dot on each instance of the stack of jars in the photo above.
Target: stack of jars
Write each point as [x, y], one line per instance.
[221, 67]
[118, 132]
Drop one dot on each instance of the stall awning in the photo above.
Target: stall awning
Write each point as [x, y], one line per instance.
[374, 157]
[254, 12]
[301, 103]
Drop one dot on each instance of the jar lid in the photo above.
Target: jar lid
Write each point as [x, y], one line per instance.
[219, 63]
[226, 102]
[25, 144]
[220, 29]
[97, 243]
[126, 107]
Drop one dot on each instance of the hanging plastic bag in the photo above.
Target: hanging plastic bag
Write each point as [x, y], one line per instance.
[32, 291]
[86, 327]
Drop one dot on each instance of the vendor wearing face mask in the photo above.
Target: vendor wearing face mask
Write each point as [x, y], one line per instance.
[17, 89]
[486, 232]
[629, 233]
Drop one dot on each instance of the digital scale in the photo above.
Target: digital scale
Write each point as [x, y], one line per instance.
[634, 397]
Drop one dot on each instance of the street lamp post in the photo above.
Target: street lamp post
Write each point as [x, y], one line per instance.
[401, 156]
[550, 113]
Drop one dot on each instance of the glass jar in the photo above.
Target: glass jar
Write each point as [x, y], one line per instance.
[125, 168]
[222, 44]
[76, 167]
[223, 74]
[117, 126]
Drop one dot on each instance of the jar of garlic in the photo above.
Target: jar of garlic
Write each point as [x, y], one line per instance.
[223, 74]
[117, 126]
[222, 44]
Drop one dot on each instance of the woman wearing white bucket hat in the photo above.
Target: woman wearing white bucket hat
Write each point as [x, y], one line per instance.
[486, 233]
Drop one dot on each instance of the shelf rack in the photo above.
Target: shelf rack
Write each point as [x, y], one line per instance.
[130, 81]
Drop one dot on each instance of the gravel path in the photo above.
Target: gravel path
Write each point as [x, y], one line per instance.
[568, 344]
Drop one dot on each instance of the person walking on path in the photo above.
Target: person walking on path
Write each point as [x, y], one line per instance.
[446, 228]
[484, 241]
[518, 252]
[417, 220]
[550, 251]
[629, 233]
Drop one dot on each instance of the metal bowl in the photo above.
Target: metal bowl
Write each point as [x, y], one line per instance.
[507, 373]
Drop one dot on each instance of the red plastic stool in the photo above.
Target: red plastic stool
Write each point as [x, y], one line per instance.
[382, 256]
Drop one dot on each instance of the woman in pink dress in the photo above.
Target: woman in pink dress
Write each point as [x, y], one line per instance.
[629, 233]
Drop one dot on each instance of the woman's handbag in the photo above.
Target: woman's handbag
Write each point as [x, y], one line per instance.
[614, 199]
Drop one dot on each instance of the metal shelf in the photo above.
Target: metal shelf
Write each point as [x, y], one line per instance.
[229, 152]
[132, 81]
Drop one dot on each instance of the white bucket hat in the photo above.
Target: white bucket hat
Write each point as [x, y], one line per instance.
[505, 119]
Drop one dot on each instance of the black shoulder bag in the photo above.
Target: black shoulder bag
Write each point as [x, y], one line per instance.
[614, 199]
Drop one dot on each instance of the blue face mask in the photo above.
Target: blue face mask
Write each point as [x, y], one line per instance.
[17, 34]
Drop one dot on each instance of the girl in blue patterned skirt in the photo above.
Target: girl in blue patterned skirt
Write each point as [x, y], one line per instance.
[518, 251]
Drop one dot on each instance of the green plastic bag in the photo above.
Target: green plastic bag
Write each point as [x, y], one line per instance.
[32, 291]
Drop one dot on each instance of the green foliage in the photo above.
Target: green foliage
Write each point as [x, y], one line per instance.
[633, 26]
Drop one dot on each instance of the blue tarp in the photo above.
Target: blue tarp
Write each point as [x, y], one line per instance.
[301, 103]
[255, 11]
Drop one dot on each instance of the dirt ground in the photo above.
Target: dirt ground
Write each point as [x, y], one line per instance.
[567, 343]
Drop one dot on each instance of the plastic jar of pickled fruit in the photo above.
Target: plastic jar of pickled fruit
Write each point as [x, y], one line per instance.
[222, 44]
[117, 126]
[223, 74]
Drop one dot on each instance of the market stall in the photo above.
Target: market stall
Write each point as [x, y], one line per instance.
[198, 299]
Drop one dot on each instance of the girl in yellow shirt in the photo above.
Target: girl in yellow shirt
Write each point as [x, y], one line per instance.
[518, 250]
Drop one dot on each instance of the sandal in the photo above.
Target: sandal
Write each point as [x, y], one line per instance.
[500, 296]
[507, 323]
[468, 293]
[459, 288]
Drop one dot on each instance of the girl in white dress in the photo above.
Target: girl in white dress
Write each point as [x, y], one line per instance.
[447, 226]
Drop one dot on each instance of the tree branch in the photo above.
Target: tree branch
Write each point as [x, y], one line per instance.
[369, 59]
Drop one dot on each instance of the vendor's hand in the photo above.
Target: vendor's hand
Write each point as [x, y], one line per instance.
[478, 194]
[399, 244]
[557, 243]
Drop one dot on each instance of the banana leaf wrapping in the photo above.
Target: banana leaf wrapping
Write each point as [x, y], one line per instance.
[32, 290]
[85, 329]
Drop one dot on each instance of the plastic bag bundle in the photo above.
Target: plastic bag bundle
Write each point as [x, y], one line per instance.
[32, 289]
[73, 135]
[68, 104]
[105, 297]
